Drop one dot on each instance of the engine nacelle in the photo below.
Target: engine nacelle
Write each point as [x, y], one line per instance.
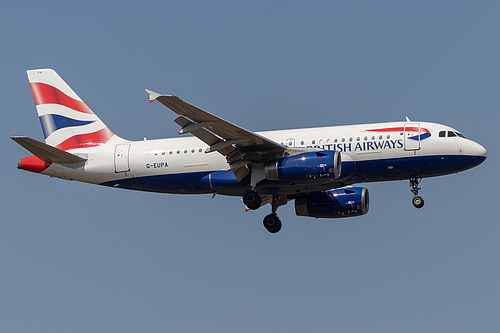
[342, 202]
[305, 166]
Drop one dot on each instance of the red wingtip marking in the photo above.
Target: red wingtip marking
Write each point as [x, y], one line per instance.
[151, 100]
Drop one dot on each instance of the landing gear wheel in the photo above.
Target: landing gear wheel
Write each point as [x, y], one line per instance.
[252, 199]
[418, 202]
[272, 223]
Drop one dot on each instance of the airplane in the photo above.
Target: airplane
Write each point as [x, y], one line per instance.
[315, 167]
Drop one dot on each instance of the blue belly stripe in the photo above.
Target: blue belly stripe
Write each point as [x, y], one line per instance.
[365, 171]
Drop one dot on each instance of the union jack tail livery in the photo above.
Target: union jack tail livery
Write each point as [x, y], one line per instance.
[67, 122]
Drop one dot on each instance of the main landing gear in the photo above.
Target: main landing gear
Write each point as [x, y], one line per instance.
[417, 200]
[252, 199]
[271, 222]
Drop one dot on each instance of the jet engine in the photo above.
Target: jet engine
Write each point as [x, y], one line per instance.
[342, 202]
[305, 166]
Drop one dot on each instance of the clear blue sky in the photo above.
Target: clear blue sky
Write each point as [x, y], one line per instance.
[82, 258]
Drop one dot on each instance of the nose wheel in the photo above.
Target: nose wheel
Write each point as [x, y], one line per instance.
[417, 200]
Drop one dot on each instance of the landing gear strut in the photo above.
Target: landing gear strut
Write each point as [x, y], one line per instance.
[417, 200]
[272, 222]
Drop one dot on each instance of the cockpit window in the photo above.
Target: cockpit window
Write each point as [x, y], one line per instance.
[450, 134]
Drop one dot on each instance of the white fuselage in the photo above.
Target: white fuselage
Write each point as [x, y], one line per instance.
[380, 147]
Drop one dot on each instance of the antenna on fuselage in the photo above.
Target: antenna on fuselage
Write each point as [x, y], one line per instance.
[408, 119]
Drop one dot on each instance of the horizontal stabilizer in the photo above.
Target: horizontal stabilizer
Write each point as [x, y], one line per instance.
[45, 152]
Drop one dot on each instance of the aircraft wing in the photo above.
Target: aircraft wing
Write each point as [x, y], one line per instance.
[241, 147]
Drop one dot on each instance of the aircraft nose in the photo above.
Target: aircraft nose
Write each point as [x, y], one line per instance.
[479, 152]
[484, 153]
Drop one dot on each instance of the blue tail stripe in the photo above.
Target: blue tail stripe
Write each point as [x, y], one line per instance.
[53, 122]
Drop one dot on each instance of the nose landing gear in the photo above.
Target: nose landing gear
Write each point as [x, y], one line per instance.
[417, 200]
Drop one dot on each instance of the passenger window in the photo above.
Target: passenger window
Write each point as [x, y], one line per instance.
[451, 134]
[442, 134]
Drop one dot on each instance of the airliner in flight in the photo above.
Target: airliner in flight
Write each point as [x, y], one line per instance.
[315, 167]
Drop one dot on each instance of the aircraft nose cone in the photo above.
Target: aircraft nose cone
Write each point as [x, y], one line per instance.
[482, 151]
[479, 152]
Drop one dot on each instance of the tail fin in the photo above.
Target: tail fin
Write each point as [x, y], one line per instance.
[67, 122]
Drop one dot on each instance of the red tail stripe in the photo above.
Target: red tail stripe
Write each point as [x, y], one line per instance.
[400, 129]
[46, 94]
[86, 140]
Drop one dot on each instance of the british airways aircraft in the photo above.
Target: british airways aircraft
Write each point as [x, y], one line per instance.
[315, 167]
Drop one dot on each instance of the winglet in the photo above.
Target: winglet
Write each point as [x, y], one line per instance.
[152, 95]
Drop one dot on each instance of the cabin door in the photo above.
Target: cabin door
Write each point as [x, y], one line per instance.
[122, 158]
[412, 136]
